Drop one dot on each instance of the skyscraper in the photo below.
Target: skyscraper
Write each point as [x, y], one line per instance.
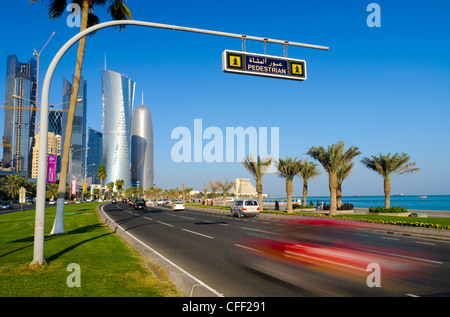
[20, 114]
[142, 173]
[117, 113]
[94, 154]
[78, 140]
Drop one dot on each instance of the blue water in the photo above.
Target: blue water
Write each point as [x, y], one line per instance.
[411, 202]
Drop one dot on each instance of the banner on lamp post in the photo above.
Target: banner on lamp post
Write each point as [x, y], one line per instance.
[73, 188]
[51, 169]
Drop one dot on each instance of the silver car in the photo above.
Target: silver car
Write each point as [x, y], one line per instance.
[245, 207]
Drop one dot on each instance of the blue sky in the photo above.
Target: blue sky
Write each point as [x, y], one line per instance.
[381, 89]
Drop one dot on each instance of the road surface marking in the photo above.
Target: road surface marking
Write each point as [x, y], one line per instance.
[163, 223]
[200, 234]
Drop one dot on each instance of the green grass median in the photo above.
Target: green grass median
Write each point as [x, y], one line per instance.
[107, 266]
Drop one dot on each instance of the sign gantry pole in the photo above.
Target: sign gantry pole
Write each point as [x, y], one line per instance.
[39, 229]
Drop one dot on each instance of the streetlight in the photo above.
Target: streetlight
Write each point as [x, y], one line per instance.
[39, 231]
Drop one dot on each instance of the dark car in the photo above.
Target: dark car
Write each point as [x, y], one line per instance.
[6, 205]
[114, 201]
[139, 204]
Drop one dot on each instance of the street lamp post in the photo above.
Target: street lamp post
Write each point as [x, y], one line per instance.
[39, 228]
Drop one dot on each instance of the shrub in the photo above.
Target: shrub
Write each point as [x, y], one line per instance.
[345, 206]
[296, 206]
[388, 210]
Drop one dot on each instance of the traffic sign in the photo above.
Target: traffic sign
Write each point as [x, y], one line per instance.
[22, 193]
[263, 65]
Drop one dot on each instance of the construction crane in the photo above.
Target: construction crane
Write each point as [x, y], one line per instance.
[38, 56]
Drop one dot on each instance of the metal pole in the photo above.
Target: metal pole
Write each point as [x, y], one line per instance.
[39, 228]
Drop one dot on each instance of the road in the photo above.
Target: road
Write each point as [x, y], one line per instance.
[213, 247]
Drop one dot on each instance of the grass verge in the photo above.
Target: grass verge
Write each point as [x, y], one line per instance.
[108, 267]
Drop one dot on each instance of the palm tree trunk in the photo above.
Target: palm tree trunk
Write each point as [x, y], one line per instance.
[58, 226]
[387, 192]
[305, 192]
[332, 177]
[259, 192]
[289, 194]
[338, 197]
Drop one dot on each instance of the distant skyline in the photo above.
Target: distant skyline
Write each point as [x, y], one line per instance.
[383, 89]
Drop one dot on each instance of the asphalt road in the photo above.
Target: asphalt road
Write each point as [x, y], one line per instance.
[212, 247]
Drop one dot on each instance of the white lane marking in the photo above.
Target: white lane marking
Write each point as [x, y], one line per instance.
[248, 248]
[263, 231]
[401, 256]
[427, 243]
[163, 223]
[148, 218]
[200, 234]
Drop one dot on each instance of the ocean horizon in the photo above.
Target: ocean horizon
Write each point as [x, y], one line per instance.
[411, 202]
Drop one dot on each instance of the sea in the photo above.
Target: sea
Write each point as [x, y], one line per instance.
[410, 202]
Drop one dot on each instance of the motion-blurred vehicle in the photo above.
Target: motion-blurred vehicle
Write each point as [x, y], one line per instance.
[245, 207]
[178, 205]
[318, 262]
[6, 205]
[114, 201]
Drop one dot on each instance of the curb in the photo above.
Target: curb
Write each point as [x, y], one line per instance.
[187, 284]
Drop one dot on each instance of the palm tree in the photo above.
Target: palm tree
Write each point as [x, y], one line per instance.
[205, 190]
[332, 159]
[225, 188]
[101, 172]
[109, 187]
[187, 191]
[288, 168]
[214, 186]
[13, 184]
[52, 191]
[257, 169]
[118, 11]
[119, 183]
[308, 171]
[342, 174]
[389, 166]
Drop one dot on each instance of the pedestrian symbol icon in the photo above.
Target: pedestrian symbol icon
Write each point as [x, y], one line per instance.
[297, 69]
[235, 61]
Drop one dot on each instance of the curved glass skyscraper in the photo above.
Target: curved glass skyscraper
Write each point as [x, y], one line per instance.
[142, 145]
[117, 112]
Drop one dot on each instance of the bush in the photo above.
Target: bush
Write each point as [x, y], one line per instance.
[302, 207]
[345, 206]
[388, 210]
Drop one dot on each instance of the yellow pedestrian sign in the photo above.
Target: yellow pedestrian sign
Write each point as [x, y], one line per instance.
[296, 69]
[263, 65]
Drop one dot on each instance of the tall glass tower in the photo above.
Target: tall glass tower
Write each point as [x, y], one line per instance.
[94, 154]
[142, 174]
[117, 112]
[20, 115]
[78, 140]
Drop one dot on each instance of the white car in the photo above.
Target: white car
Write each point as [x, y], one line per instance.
[245, 207]
[178, 205]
